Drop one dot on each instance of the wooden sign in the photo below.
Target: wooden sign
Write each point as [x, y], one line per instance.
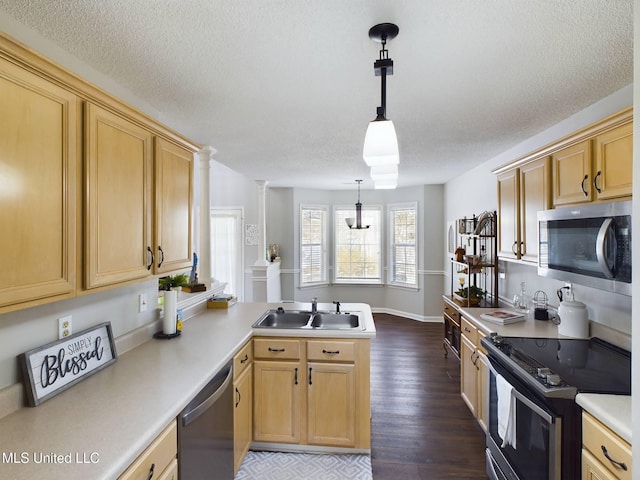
[52, 368]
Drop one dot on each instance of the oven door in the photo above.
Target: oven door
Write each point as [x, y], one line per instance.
[536, 455]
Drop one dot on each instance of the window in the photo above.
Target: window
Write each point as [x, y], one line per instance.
[313, 250]
[402, 244]
[357, 252]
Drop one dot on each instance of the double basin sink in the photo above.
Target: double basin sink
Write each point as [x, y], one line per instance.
[305, 319]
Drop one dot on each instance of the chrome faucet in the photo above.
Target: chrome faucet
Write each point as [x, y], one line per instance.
[314, 305]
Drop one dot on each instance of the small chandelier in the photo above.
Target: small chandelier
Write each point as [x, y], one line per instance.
[380, 142]
[358, 220]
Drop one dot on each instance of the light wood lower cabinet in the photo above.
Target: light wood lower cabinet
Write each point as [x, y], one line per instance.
[158, 460]
[243, 404]
[38, 189]
[474, 371]
[312, 392]
[605, 456]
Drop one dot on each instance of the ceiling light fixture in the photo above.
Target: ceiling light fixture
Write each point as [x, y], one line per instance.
[380, 142]
[358, 220]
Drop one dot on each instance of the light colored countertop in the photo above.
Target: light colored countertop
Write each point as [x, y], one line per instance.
[529, 328]
[612, 410]
[113, 415]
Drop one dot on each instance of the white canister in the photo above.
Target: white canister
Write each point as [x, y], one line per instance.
[574, 321]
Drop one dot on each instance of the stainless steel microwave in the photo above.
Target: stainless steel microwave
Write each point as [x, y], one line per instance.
[588, 245]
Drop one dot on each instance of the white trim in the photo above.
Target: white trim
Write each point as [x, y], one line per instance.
[432, 272]
[412, 316]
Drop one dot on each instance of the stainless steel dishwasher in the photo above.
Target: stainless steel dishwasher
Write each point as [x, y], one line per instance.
[205, 431]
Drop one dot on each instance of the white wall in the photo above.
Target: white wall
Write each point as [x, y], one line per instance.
[231, 189]
[476, 190]
[284, 228]
[32, 327]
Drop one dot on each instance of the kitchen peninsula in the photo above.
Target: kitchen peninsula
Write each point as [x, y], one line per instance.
[99, 427]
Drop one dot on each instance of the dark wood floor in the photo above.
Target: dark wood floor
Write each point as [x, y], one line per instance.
[421, 428]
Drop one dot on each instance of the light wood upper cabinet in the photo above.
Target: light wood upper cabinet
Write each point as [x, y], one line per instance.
[38, 189]
[118, 221]
[535, 195]
[522, 192]
[508, 214]
[572, 174]
[614, 163]
[173, 206]
[581, 175]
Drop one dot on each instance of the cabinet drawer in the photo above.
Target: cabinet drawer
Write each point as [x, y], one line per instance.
[276, 348]
[242, 359]
[469, 330]
[451, 312]
[595, 435]
[158, 455]
[332, 350]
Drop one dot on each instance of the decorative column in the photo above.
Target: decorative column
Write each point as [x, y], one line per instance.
[265, 274]
[203, 232]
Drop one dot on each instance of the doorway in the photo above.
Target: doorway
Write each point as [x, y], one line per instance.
[227, 258]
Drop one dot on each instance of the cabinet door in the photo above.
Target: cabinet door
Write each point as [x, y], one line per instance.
[508, 214]
[38, 188]
[535, 195]
[242, 417]
[571, 168]
[614, 163]
[331, 404]
[593, 470]
[482, 407]
[277, 398]
[118, 211]
[468, 374]
[173, 206]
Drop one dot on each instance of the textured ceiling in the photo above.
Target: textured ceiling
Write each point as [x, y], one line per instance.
[284, 89]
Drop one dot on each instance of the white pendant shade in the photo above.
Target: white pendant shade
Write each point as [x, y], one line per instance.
[384, 172]
[381, 144]
[385, 184]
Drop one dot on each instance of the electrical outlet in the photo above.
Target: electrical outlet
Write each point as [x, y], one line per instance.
[64, 327]
[142, 302]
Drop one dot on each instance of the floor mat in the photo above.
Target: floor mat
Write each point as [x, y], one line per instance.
[304, 466]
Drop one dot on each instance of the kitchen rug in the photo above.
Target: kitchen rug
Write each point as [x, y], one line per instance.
[304, 466]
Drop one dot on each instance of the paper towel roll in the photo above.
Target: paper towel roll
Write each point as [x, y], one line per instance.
[170, 305]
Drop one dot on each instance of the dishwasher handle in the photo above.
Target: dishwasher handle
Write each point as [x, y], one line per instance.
[203, 406]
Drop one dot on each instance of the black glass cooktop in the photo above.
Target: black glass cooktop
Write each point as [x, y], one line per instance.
[590, 366]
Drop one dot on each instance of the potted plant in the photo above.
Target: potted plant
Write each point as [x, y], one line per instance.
[469, 295]
[173, 281]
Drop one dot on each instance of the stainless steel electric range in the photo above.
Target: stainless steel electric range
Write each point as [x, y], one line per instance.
[542, 377]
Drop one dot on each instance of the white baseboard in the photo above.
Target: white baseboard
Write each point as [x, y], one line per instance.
[412, 316]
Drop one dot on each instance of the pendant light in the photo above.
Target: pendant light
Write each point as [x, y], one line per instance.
[380, 142]
[358, 220]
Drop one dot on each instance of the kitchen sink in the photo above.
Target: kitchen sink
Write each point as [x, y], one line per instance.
[284, 319]
[335, 320]
[299, 319]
